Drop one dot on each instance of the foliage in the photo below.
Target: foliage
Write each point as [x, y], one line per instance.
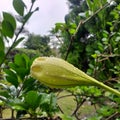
[18, 91]
[90, 41]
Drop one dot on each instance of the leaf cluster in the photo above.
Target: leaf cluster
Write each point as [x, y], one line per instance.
[93, 46]
[19, 92]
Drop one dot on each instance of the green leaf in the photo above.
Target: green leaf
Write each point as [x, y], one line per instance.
[53, 101]
[2, 55]
[2, 46]
[21, 65]
[7, 29]
[32, 99]
[16, 104]
[59, 26]
[100, 46]
[27, 61]
[72, 31]
[27, 16]
[28, 84]
[21, 71]
[11, 77]
[90, 4]
[18, 107]
[106, 110]
[18, 41]
[8, 17]
[94, 56]
[91, 66]
[48, 103]
[95, 117]
[1, 103]
[89, 49]
[4, 93]
[3, 86]
[66, 117]
[19, 60]
[90, 71]
[19, 6]
[2, 49]
[22, 61]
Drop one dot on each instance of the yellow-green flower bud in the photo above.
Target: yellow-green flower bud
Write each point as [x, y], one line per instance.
[57, 73]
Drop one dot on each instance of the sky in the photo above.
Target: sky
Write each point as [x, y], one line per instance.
[50, 12]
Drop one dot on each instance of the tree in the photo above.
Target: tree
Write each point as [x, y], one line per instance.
[90, 41]
[40, 43]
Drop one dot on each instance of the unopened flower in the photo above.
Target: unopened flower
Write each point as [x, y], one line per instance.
[57, 73]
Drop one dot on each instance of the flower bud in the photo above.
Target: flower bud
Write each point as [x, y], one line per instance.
[57, 73]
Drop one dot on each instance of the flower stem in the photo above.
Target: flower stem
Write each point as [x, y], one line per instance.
[102, 85]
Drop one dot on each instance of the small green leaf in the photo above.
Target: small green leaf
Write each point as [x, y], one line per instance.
[2, 55]
[21, 65]
[18, 41]
[106, 110]
[89, 49]
[19, 60]
[11, 77]
[8, 17]
[90, 4]
[32, 99]
[27, 16]
[2, 46]
[18, 107]
[66, 117]
[4, 93]
[48, 103]
[94, 56]
[72, 31]
[28, 84]
[7, 29]
[2, 49]
[22, 60]
[59, 26]
[19, 6]
[1, 103]
[21, 71]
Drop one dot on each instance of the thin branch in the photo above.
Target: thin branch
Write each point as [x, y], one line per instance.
[82, 23]
[64, 96]
[111, 55]
[60, 109]
[78, 106]
[59, 92]
[58, 37]
[106, 57]
[89, 18]
[17, 35]
[68, 50]
[112, 116]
